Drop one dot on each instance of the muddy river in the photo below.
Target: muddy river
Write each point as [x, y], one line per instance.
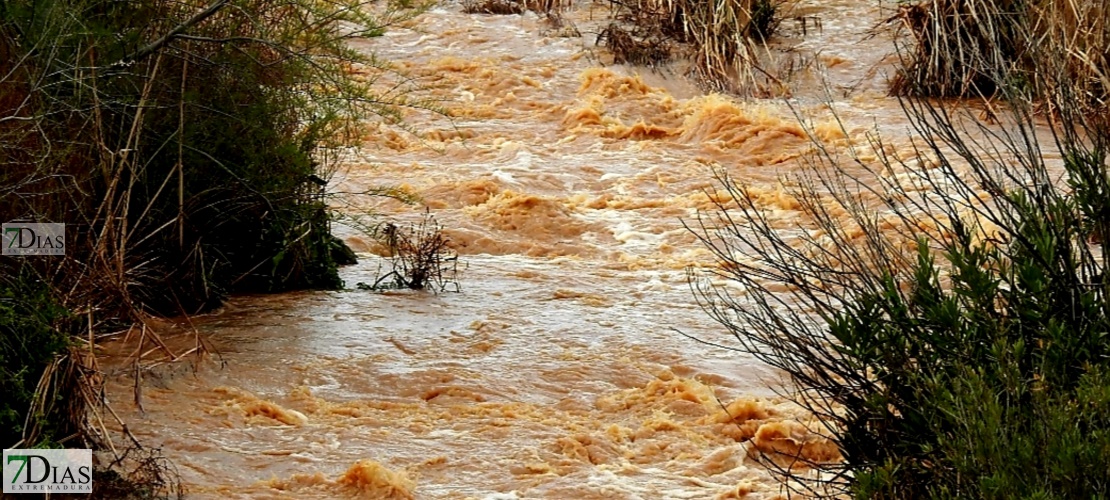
[557, 371]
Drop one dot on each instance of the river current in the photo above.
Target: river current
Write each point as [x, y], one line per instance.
[558, 370]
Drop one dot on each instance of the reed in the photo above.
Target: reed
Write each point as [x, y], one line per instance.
[187, 146]
[969, 48]
[719, 37]
[548, 8]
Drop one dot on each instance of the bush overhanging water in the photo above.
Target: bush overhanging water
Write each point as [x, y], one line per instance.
[943, 312]
[186, 146]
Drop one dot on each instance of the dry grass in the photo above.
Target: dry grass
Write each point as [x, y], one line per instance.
[957, 47]
[69, 409]
[507, 7]
[987, 48]
[632, 46]
[719, 37]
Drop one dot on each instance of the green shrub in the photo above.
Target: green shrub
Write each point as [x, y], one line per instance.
[29, 341]
[185, 143]
[945, 312]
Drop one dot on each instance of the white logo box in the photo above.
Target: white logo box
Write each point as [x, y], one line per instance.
[32, 238]
[47, 471]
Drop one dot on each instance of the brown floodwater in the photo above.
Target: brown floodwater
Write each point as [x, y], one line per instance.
[557, 371]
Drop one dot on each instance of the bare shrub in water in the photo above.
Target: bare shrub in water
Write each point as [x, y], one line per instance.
[944, 313]
[421, 258]
[140, 473]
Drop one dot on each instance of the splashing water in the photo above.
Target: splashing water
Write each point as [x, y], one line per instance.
[555, 373]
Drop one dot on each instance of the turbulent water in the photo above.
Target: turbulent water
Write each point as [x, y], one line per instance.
[557, 372]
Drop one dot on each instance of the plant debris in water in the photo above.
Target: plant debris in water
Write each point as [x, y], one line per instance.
[420, 257]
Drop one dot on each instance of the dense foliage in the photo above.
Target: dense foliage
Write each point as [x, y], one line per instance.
[29, 340]
[186, 145]
[941, 306]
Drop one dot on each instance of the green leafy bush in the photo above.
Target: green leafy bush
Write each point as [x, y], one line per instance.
[186, 145]
[943, 310]
[29, 341]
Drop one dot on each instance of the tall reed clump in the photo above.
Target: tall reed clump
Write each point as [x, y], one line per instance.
[718, 36]
[186, 145]
[944, 310]
[954, 48]
[550, 8]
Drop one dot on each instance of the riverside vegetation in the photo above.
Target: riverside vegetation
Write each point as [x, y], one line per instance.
[186, 146]
[719, 37]
[946, 313]
[952, 338]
